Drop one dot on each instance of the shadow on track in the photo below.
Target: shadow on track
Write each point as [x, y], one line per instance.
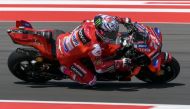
[103, 86]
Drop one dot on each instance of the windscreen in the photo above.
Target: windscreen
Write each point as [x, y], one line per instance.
[141, 33]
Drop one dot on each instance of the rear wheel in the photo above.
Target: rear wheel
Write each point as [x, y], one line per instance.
[169, 72]
[21, 65]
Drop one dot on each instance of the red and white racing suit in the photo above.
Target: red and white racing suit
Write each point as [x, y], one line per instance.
[81, 43]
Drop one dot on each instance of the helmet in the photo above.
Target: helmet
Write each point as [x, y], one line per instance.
[106, 28]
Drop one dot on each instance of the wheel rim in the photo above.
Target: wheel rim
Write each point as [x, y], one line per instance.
[168, 73]
[23, 69]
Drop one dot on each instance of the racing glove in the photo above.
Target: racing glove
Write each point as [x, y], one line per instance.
[127, 24]
[125, 20]
[127, 41]
[122, 63]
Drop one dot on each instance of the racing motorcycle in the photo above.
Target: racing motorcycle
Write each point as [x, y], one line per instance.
[38, 62]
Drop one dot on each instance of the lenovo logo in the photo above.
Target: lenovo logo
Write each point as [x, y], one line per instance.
[84, 39]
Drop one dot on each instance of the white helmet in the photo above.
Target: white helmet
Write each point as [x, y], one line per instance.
[106, 28]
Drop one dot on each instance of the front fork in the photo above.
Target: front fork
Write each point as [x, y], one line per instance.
[166, 57]
[155, 65]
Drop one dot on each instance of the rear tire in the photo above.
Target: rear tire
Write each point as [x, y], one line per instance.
[19, 63]
[170, 72]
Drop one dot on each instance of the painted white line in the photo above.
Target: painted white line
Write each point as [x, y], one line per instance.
[72, 102]
[167, 3]
[183, 23]
[98, 9]
[156, 106]
[172, 23]
[170, 107]
[76, 2]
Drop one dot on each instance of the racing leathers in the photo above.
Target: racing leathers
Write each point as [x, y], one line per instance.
[81, 43]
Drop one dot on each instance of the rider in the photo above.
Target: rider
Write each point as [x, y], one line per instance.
[91, 39]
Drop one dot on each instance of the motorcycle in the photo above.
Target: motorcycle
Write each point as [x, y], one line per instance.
[39, 63]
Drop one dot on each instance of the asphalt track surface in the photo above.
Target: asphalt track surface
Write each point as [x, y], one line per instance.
[176, 40]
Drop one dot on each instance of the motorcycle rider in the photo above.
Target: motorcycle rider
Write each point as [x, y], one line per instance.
[91, 39]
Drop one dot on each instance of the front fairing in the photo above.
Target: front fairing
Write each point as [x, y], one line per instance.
[149, 42]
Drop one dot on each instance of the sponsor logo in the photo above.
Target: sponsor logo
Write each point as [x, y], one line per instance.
[144, 49]
[67, 45]
[142, 46]
[74, 40]
[83, 38]
[98, 22]
[97, 50]
[77, 71]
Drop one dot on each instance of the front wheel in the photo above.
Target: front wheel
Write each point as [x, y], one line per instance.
[20, 63]
[169, 72]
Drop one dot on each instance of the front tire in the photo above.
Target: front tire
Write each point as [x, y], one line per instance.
[20, 65]
[169, 72]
